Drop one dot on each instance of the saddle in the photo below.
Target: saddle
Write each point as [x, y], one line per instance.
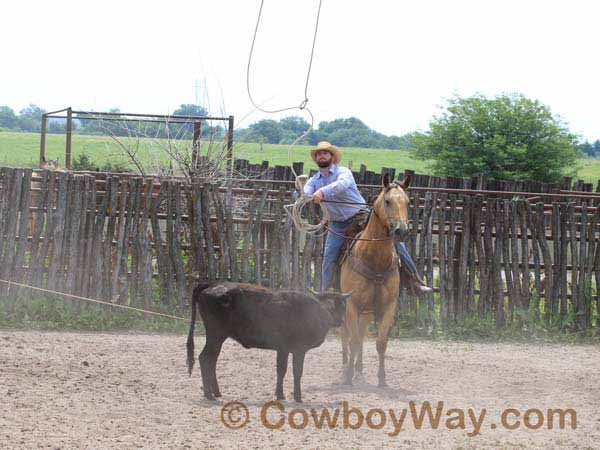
[358, 224]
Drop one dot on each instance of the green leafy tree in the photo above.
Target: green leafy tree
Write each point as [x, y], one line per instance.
[186, 130]
[189, 109]
[268, 129]
[30, 118]
[8, 118]
[508, 137]
[294, 124]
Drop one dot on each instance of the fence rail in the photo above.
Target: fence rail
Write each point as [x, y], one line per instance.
[131, 241]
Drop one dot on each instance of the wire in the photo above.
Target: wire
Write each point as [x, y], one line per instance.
[302, 105]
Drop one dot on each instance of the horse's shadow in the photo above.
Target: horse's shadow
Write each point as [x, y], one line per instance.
[365, 387]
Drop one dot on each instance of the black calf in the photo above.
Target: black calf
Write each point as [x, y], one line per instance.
[256, 317]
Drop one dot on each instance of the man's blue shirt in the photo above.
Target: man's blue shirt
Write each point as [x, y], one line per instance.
[338, 185]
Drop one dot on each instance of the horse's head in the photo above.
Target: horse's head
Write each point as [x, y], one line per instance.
[391, 207]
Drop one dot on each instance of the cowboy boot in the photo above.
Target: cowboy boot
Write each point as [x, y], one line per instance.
[415, 285]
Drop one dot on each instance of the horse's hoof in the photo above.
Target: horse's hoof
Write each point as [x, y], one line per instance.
[383, 384]
[359, 377]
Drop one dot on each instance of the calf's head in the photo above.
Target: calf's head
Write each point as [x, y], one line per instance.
[334, 303]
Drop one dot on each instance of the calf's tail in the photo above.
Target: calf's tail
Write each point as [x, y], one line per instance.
[190, 340]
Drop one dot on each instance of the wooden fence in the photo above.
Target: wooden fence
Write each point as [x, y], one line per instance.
[263, 171]
[129, 241]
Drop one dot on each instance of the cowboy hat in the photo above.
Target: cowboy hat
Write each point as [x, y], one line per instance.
[324, 145]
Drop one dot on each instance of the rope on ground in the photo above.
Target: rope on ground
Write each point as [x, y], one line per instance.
[91, 300]
[302, 105]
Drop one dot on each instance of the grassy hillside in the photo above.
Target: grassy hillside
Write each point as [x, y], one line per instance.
[22, 150]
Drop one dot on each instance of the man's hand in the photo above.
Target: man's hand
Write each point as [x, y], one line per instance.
[317, 196]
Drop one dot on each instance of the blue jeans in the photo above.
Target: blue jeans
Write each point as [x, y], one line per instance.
[405, 257]
[333, 243]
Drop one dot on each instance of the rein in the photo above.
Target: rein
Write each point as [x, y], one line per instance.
[359, 239]
[344, 203]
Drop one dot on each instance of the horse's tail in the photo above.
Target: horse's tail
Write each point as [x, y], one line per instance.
[190, 340]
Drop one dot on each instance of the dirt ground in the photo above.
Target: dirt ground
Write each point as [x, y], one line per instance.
[109, 391]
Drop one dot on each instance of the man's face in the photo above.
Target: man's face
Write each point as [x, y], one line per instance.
[323, 158]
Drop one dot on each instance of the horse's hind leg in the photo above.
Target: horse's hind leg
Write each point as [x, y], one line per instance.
[383, 331]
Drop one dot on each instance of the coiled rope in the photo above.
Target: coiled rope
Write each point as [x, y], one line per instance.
[295, 209]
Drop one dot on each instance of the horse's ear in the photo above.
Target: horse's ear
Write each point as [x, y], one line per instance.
[386, 180]
[405, 183]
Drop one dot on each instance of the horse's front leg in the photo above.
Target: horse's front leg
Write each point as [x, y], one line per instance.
[383, 330]
[363, 324]
[344, 339]
[353, 338]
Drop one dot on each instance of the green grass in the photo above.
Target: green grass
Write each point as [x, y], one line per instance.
[22, 150]
[589, 170]
[57, 314]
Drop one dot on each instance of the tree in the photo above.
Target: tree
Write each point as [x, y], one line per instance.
[30, 118]
[189, 109]
[8, 118]
[508, 137]
[268, 129]
[294, 124]
[181, 131]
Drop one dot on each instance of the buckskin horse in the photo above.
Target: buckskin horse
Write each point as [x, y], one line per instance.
[371, 270]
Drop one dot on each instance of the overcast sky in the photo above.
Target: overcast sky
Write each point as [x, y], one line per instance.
[390, 63]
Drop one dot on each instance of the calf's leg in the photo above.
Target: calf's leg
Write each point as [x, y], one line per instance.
[213, 368]
[298, 368]
[282, 362]
[208, 362]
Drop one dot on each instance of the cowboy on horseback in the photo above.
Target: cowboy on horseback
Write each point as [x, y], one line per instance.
[333, 182]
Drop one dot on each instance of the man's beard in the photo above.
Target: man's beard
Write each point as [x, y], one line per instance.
[323, 164]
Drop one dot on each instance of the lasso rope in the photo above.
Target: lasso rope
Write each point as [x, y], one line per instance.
[302, 105]
[294, 210]
[91, 300]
